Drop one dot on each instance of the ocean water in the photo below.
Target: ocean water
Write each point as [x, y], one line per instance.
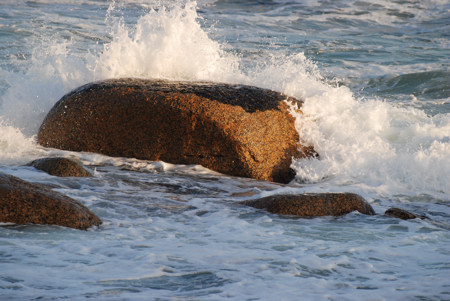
[375, 80]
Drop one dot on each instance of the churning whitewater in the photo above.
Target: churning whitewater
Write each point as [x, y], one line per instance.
[374, 78]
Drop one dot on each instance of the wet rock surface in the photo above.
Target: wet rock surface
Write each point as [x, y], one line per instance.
[233, 129]
[312, 205]
[22, 202]
[402, 214]
[60, 167]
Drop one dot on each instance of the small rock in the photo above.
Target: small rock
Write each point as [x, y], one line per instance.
[402, 214]
[60, 167]
[312, 205]
[22, 202]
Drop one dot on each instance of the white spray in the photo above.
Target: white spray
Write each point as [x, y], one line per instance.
[366, 142]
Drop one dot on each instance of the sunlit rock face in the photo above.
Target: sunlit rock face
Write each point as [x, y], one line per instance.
[233, 129]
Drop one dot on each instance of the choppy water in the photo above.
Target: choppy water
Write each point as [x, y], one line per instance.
[375, 78]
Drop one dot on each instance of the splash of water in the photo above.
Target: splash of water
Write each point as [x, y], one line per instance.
[52, 71]
[14, 146]
[165, 43]
[389, 148]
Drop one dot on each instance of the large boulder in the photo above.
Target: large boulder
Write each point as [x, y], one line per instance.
[60, 167]
[233, 129]
[313, 205]
[22, 202]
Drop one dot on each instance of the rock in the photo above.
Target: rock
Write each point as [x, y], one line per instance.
[22, 202]
[312, 205]
[233, 129]
[60, 167]
[402, 214]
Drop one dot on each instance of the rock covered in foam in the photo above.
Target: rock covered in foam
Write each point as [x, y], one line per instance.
[233, 129]
[22, 202]
[60, 167]
[312, 205]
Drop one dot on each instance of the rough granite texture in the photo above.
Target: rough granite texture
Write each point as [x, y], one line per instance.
[233, 129]
[312, 205]
[60, 167]
[22, 202]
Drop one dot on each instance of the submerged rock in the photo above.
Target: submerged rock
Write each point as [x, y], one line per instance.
[60, 167]
[233, 129]
[312, 205]
[22, 202]
[402, 214]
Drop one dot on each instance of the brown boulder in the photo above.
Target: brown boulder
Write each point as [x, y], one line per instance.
[22, 202]
[311, 205]
[402, 214]
[60, 167]
[233, 129]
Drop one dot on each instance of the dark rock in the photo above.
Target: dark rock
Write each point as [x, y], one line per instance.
[60, 167]
[402, 214]
[233, 129]
[311, 205]
[22, 202]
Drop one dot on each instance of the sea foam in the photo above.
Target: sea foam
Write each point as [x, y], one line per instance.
[366, 141]
[174, 232]
[165, 43]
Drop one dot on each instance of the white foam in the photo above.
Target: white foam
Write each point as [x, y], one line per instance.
[365, 141]
[165, 43]
[52, 71]
[15, 147]
[145, 245]
[375, 142]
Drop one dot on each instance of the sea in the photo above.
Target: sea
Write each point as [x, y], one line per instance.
[374, 77]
